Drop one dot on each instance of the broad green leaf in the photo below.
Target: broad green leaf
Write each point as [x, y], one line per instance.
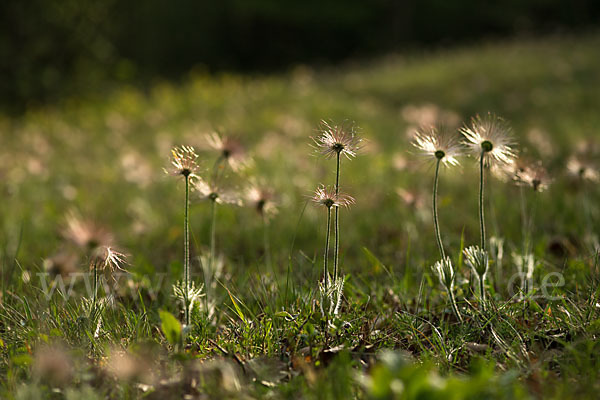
[170, 327]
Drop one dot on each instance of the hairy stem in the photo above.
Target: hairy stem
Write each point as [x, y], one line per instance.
[215, 171]
[266, 241]
[213, 231]
[186, 251]
[337, 220]
[482, 290]
[438, 236]
[326, 256]
[481, 211]
[454, 305]
[482, 225]
[436, 223]
[95, 292]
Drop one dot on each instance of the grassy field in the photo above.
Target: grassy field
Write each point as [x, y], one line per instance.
[87, 173]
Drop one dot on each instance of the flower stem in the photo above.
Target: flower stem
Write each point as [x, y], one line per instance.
[436, 223]
[337, 220]
[215, 172]
[267, 242]
[186, 250]
[482, 226]
[213, 230]
[482, 290]
[454, 305]
[326, 256]
[438, 238]
[94, 293]
[481, 211]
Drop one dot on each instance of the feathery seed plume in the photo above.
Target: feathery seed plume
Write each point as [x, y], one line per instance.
[337, 139]
[326, 196]
[437, 144]
[491, 136]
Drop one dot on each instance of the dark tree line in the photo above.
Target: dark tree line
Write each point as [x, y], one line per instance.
[54, 47]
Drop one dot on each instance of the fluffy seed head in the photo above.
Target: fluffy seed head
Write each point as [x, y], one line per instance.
[230, 149]
[337, 139]
[437, 144]
[534, 176]
[215, 193]
[491, 136]
[183, 162]
[109, 260]
[582, 169]
[326, 196]
[261, 198]
[84, 233]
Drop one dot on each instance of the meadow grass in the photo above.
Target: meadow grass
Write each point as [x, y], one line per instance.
[258, 331]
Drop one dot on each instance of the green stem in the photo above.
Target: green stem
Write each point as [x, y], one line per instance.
[481, 211]
[436, 223]
[94, 293]
[454, 305]
[482, 290]
[326, 256]
[267, 243]
[524, 220]
[213, 230]
[438, 237]
[186, 250]
[337, 220]
[482, 225]
[215, 173]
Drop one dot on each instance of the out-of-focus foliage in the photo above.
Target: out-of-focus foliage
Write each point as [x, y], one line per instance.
[53, 48]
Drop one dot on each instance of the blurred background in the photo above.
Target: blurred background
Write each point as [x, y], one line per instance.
[51, 49]
[94, 95]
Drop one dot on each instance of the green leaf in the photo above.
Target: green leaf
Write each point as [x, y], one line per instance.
[284, 314]
[170, 327]
[238, 310]
[21, 360]
[376, 265]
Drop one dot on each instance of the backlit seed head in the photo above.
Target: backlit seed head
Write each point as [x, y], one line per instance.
[86, 234]
[326, 196]
[533, 175]
[109, 260]
[492, 137]
[437, 143]
[183, 162]
[580, 168]
[261, 198]
[337, 139]
[230, 149]
[215, 193]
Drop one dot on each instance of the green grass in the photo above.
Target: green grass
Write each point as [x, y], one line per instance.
[396, 335]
